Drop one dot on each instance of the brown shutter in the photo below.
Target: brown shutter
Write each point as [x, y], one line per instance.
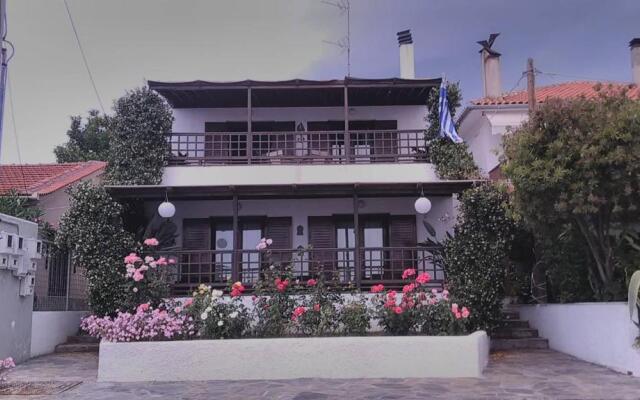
[322, 235]
[196, 234]
[195, 267]
[402, 233]
[278, 229]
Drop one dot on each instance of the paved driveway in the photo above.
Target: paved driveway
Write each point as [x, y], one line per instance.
[516, 375]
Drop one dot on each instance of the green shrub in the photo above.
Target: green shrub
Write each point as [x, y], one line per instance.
[476, 255]
[355, 318]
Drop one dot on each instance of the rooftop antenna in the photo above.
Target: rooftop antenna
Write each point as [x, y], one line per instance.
[345, 43]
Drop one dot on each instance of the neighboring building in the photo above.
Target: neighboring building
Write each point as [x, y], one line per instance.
[484, 122]
[329, 170]
[46, 185]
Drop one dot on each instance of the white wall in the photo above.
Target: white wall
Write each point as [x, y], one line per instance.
[189, 120]
[51, 328]
[15, 310]
[601, 333]
[229, 175]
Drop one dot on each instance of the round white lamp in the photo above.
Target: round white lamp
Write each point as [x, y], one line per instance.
[166, 209]
[422, 205]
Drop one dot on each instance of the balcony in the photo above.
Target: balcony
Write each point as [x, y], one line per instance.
[312, 147]
[348, 267]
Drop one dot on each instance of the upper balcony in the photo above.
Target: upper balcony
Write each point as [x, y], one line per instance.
[301, 147]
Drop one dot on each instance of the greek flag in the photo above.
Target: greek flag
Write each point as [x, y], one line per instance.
[447, 127]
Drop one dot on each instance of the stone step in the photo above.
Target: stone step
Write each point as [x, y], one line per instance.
[515, 323]
[510, 314]
[515, 333]
[78, 348]
[519, 344]
[82, 339]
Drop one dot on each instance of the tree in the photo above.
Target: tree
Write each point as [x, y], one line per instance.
[92, 230]
[476, 257]
[451, 160]
[23, 207]
[577, 162]
[88, 141]
[139, 149]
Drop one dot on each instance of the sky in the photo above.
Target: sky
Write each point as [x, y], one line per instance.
[129, 41]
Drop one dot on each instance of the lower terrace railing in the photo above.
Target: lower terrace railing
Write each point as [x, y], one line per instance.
[376, 265]
[314, 147]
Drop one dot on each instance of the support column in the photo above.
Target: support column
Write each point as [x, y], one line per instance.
[356, 234]
[347, 135]
[249, 128]
[236, 256]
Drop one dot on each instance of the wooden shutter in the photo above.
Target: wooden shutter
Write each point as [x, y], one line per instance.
[278, 229]
[196, 234]
[322, 235]
[402, 233]
[195, 267]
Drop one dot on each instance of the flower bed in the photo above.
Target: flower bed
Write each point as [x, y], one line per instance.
[287, 310]
[291, 358]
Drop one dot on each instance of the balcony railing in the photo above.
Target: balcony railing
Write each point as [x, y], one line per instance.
[315, 147]
[376, 265]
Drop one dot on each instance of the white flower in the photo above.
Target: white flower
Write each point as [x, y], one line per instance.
[216, 293]
[272, 267]
[204, 316]
[233, 315]
[269, 242]
[148, 259]
[135, 290]
[220, 323]
[208, 309]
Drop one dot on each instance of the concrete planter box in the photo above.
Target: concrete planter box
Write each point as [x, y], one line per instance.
[290, 358]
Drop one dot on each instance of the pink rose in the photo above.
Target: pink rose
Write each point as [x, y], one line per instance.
[311, 282]
[172, 261]
[458, 315]
[138, 276]
[316, 307]
[132, 258]
[161, 261]
[298, 312]
[188, 302]
[408, 273]
[465, 312]
[423, 278]
[398, 310]
[445, 294]
[392, 295]
[408, 288]
[151, 242]
[238, 287]
[454, 308]
[177, 310]
[143, 307]
[377, 288]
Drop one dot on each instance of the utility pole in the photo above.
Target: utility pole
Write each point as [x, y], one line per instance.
[3, 63]
[531, 86]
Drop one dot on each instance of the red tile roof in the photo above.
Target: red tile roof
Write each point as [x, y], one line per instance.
[43, 179]
[569, 90]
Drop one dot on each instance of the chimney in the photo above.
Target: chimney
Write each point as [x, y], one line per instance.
[407, 65]
[490, 67]
[634, 44]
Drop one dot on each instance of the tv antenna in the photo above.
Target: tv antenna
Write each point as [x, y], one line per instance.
[345, 42]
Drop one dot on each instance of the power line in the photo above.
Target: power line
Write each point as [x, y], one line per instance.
[84, 57]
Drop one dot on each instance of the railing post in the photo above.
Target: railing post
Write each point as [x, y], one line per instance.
[356, 234]
[66, 305]
[235, 257]
[347, 134]
[249, 128]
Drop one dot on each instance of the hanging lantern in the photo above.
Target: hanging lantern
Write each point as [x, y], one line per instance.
[422, 205]
[166, 209]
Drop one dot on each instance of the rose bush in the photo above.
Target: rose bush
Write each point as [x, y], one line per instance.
[217, 318]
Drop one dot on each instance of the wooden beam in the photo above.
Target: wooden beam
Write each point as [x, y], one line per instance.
[356, 234]
[249, 127]
[235, 257]
[347, 135]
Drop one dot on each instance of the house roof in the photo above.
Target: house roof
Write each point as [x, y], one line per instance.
[568, 90]
[296, 92]
[42, 179]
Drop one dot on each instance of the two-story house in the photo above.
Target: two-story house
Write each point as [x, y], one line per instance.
[329, 170]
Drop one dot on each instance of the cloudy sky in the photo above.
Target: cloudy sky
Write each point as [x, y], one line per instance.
[128, 41]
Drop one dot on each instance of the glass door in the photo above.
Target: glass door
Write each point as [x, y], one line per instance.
[251, 233]
[373, 241]
[346, 244]
[224, 246]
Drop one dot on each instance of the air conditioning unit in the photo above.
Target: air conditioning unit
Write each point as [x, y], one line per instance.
[27, 284]
[7, 242]
[4, 261]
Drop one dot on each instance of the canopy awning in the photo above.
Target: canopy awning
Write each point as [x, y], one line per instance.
[296, 92]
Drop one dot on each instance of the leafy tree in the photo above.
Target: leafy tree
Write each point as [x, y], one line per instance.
[22, 207]
[139, 149]
[92, 230]
[577, 162]
[87, 141]
[452, 160]
[476, 256]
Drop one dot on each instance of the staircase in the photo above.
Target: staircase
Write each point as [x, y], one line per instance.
[516, 334]
[79, 344]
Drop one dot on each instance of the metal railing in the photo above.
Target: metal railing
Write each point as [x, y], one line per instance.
[59, 286]
[314, 147]
[377, 265]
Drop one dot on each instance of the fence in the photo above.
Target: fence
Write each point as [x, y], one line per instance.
[60, 286]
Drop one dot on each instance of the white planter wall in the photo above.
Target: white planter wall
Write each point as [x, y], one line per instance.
[292, 358]
[600, 333]
[51, 328]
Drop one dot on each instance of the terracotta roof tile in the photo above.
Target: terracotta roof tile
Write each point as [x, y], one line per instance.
[43, 179]
[569, 90]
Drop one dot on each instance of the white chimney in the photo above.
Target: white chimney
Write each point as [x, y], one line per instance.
[490, 59]
[634, 44]
[407, 64]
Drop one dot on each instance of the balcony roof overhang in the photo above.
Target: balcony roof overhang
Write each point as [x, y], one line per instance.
[296, 92]
[158, 192]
